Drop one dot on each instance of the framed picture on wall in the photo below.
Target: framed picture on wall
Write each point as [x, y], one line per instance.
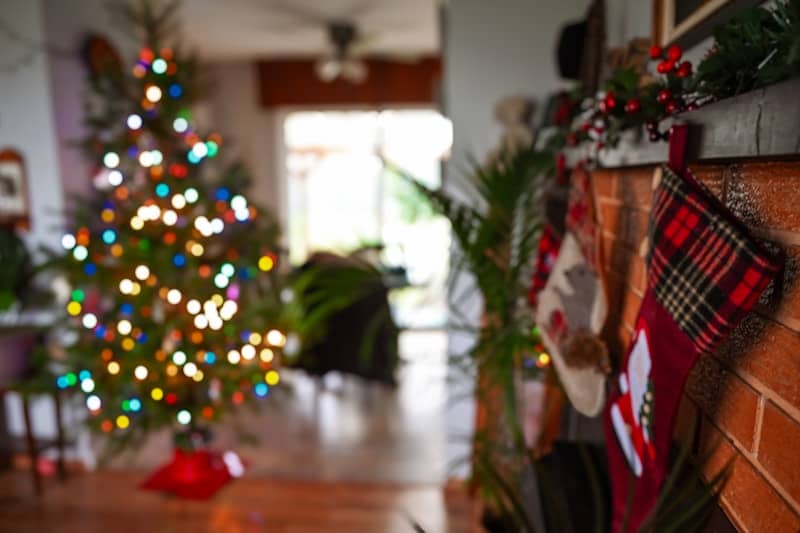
[13, 189]
[688, 22]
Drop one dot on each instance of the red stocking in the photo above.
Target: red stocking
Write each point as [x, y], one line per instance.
[705, 272]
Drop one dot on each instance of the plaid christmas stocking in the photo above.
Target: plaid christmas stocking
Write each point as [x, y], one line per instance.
[572, 307]
[705, 272]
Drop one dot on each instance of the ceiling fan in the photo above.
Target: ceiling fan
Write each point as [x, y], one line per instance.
[345, 35]
[343, 62]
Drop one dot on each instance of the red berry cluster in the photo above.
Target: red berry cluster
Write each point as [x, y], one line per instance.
[675, 70]
[624, 106]
[671, 61]
[609, 103]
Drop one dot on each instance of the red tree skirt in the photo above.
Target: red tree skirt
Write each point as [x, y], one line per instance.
[195, 475]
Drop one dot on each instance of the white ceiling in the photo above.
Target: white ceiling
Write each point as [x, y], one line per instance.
[248, 29]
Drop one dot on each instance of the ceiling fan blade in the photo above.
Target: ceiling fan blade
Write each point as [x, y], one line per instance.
[354, 70]
[328, 69]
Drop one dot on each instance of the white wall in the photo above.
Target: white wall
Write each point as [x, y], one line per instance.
[498, 49]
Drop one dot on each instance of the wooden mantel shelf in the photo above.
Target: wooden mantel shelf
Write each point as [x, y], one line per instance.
[759, 124]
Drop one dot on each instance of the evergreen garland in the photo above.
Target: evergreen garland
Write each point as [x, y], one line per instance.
[759, 47]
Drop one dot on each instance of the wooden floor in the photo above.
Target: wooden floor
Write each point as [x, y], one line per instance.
[110, 502]
[352, 457]
[346, 430]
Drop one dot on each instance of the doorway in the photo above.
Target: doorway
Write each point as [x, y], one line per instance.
[343, 198]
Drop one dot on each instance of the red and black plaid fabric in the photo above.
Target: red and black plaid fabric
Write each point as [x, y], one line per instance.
[704, 267]
[549, 245]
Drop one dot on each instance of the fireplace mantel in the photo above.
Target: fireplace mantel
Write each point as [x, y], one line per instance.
[764, 123]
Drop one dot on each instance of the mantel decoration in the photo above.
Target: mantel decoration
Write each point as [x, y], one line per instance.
[175, 305]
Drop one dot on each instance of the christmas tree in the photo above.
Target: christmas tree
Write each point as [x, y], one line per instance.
[175, 305]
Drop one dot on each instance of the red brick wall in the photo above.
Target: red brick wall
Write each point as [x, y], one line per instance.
[743, 402]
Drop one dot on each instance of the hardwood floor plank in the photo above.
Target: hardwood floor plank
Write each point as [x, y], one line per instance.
[109, 501]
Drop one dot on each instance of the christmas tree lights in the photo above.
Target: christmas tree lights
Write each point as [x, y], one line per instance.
[175, 304]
